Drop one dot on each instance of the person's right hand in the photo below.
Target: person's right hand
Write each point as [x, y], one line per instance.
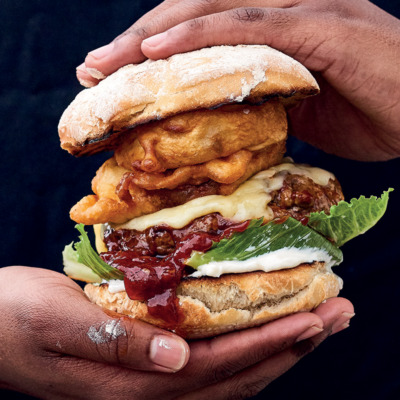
[55, 344]
[353, 48]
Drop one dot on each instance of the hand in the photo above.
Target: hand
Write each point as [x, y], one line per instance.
[55, 344]
[353, 47]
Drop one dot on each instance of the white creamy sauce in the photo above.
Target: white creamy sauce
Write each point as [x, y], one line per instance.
[285, 258]
[249, 201]
[115, 285]
[280, 259]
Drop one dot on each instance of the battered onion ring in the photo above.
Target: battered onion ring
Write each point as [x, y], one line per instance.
[223, 170]
[199, 136]
[117, 198]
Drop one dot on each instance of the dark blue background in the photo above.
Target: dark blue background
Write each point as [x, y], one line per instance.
[41, 43]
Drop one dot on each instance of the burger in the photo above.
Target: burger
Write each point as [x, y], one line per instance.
[202, 226]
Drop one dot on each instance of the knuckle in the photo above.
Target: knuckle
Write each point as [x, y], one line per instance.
[248, 14]
[223, 371]
[259, 353]
[272, 348]
[141, 32]
[252, 389]
[135, 33]
[216, 369]
[111, 340]
[196, 24]
[240, 389]
[119, 343]
[275, 18]
[282, 19]
[303, 348]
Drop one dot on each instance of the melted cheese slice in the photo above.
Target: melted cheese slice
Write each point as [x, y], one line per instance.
[98, 233]
[249, 201]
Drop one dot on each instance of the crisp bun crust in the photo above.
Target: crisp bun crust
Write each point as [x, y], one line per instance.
[154, 90]
[235, 301]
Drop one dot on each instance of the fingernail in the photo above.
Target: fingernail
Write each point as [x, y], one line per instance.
[102, 51]
[310, 332]
[155, 40]
[87, 84]
[169, 352]
[95, 73]
[342, 327]
[83, 77]
[342, 322]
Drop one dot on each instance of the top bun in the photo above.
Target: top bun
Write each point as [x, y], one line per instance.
[154, 90]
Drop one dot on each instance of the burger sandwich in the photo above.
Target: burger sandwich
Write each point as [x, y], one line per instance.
[201, 225]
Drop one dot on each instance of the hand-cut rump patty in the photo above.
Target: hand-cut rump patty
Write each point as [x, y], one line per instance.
[298, 197]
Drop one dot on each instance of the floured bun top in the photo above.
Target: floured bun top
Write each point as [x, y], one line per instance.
[154, 90]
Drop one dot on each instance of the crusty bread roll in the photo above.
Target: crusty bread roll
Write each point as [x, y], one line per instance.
[212, 306]
[174, 102]
[154, 90]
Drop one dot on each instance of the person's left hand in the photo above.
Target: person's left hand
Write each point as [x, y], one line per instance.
[55, 344]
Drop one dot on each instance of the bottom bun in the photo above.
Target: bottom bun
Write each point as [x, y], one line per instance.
[212, 306]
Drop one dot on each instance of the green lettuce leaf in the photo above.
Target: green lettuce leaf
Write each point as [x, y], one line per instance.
[76, 270]
[348, 220]
[83, 253]
[257, 240]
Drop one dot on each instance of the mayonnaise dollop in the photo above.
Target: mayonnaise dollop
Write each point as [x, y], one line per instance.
[279, 259]
[285, 258]
[115, 285]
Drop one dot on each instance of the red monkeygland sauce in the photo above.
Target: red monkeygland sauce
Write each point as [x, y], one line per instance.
[153, 277]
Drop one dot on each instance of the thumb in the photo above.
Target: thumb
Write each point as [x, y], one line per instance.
[84, 330]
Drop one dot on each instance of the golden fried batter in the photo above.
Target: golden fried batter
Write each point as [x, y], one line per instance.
[105, 205]
[118, 198]
[261, 160]
[223, 170]
[200, 136]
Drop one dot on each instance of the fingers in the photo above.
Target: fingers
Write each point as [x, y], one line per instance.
[123, 50]
[62, 320]
[288, 29]
[117, 340]
[78, 349]
[213, 360]
[126, 48]
[77, 378]
[127, 383]
[335, 314]
[252, 380]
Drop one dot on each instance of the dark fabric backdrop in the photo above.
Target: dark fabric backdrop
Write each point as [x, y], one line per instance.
[41, 43]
